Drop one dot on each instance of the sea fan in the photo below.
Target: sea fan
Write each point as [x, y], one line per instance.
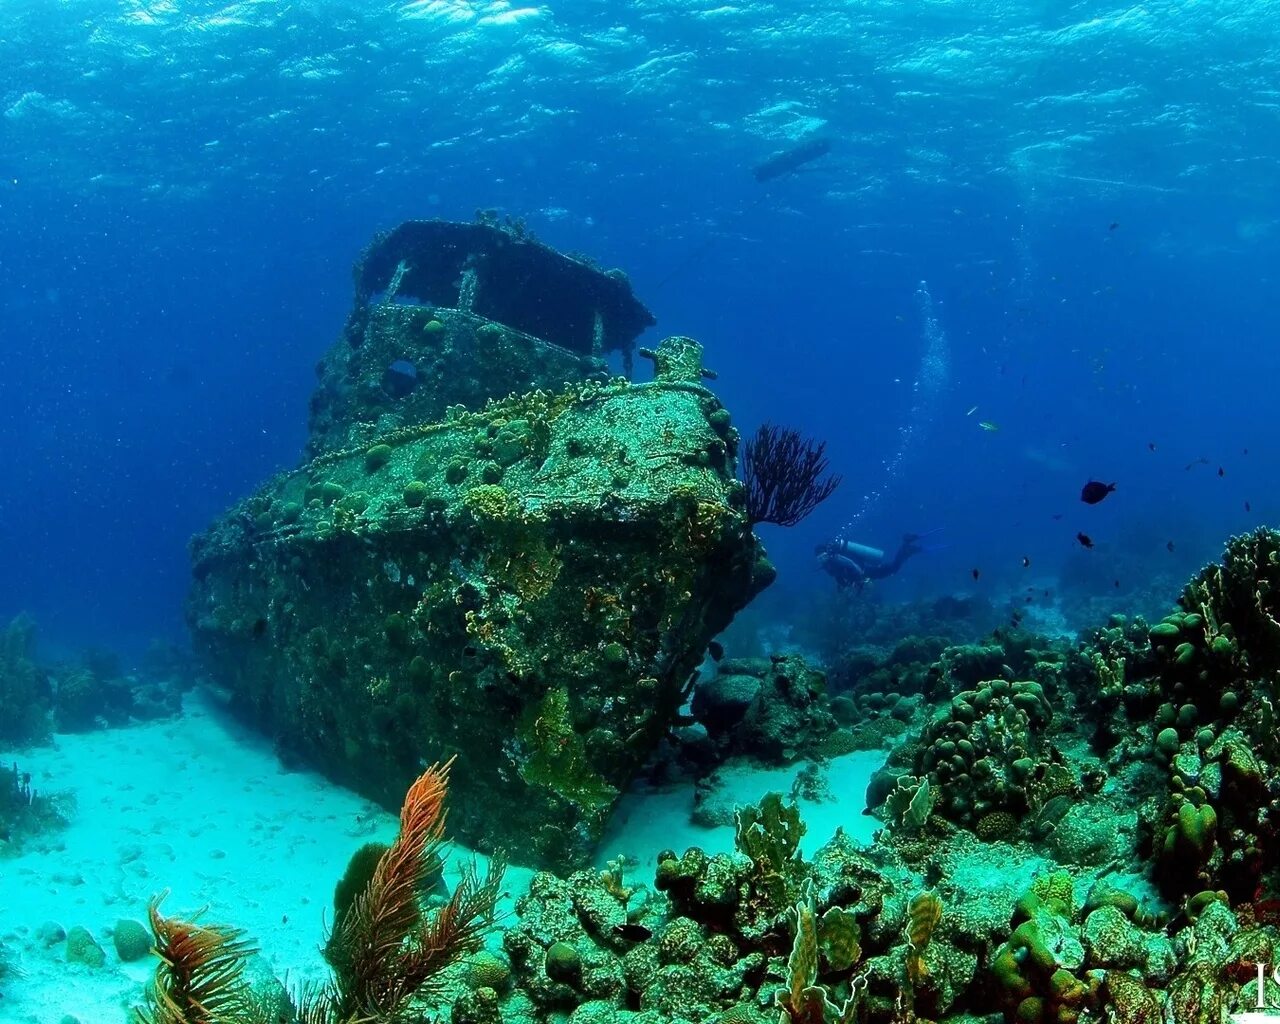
[200, 976]
[384, 949]
[923, 914]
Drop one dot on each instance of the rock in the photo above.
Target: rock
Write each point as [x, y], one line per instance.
[563, 963]
[132, 940]
[82, 948]
[721, 701]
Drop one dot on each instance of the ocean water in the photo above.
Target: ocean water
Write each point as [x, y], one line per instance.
[1037, 247]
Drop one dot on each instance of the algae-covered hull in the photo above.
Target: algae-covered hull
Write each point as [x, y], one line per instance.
[526, 588]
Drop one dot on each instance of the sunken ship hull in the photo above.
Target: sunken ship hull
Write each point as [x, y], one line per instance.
[526, 585]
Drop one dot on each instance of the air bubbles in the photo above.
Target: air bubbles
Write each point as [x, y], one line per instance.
[931, 381]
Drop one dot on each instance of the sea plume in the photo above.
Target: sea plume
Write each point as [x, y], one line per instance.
[200, 976]
[785, 475]
[384, 949]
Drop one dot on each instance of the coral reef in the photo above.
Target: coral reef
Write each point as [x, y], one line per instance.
[25, 814]
[25, 693]
[94, 691]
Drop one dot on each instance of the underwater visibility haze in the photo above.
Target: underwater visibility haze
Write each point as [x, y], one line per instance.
[656, 512]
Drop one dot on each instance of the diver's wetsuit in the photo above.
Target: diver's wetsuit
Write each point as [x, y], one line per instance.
[852, 565]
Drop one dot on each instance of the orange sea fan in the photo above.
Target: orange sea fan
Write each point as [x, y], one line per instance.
[200, 977]
[385, 949]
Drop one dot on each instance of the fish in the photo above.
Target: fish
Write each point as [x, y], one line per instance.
[1202, 461]
[1113, 225]
[976, 573]
[1247, 506]
[1026, 562]
[1116, 584]
[1085, 540]
[716, 650]
[1221, 471]
[1057, 515]
[791, 159]
[1151, 446]
[1094, 491]
[972, 410]
[1169, 546]
[988, 426]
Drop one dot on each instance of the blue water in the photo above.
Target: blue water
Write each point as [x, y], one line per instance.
[1088, 191]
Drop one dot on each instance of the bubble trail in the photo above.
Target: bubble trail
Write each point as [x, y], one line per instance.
[931, 381]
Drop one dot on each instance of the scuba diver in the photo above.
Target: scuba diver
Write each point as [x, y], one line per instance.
[853, 565]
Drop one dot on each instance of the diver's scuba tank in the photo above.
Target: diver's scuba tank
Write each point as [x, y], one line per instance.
[858, 552]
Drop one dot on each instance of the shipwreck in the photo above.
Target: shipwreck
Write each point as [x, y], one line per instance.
[494, 551]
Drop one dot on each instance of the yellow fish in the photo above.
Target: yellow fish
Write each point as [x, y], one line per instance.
[988, 426]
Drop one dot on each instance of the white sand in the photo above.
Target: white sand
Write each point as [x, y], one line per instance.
[646, 823]
[201, 807]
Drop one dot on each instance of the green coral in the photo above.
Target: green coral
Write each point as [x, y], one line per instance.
[839, 938]
[988, 752]
[563, 964]
[513, 441]
[377, 457]
[415, 493]
[556, 755]
[769, 833]
[490, 502]
[803, 1000]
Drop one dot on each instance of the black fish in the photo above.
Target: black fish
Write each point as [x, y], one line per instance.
[1026, 562]
[715, 650]
[791, 159]
[632, 932]
[1169, 546]
[1113, 225]
[1221, 471]
[1248, 507]
[1085, 540]
[1151, 445]
[975, 572]
[1094, 491]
